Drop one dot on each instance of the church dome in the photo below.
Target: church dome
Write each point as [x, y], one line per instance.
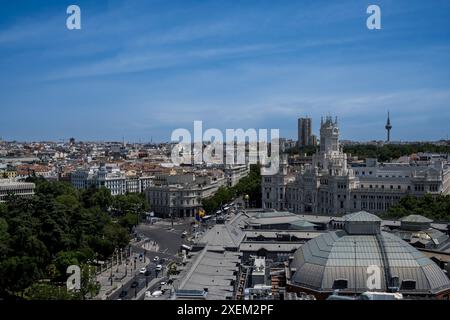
[340, 260]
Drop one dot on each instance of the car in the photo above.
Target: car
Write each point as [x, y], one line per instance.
[143, 270]
[123, 294]
[158, 267]
[134, 284]
[184, 234]
[156, 259]
[147, 273]
[163, 283]
[156, 293]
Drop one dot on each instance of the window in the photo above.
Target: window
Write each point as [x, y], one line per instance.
[408, 285]
[395, 281]
[340, 284]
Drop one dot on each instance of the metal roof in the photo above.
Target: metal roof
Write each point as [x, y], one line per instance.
[361, 216]
[223, 236]
[337, 255]
[212, 270]
[416, 218]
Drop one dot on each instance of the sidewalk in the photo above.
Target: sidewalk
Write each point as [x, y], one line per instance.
[150, 284]
[151, 246]
[121, 275]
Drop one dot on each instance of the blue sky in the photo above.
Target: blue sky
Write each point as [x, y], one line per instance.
[141, 69]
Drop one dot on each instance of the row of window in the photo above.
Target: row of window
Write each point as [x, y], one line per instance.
[399, 187]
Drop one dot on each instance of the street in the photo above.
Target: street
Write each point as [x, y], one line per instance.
[165, 243]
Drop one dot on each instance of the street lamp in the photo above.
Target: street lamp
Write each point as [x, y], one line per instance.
[110, 275]
[117, 259]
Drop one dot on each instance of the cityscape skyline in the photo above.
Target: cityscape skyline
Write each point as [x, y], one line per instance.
[250, 152]
[141, 70]
[314, 132]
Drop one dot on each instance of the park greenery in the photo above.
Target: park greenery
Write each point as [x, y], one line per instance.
[388, 152]
[248, 186]
[436, 208]
[61, 226]
[304, 150]
[383, 153]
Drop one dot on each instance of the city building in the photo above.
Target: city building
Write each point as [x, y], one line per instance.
[305, 132]
[420, 233]
[237, 259]
[339, 260]
[111, 177]
[181, 195]
[15, 188]
[330, 185]
[234, 173]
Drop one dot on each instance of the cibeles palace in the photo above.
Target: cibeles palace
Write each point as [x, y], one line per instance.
[329, 185]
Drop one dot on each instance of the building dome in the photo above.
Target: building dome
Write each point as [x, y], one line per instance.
[340, 260]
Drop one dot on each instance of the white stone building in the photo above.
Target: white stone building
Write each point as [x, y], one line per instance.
[16, 188]
[181, 195]
[111, 177]
[330, 186]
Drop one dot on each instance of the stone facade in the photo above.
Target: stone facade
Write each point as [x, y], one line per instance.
[331, 186]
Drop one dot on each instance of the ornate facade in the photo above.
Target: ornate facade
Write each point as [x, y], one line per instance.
[331, 186]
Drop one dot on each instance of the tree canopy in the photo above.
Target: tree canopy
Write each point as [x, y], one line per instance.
[59, 226]
[388, 152]
[249, 185]
[433, 207]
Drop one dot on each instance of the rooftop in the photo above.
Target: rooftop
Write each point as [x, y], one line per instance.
[416, 218]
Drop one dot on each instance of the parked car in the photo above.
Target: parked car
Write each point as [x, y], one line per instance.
[143, 270]
[163, 283]
[147, 273]
[134, 284]
[158, 267]
[156, 259]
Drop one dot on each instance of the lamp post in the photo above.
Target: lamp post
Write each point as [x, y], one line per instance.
[356, 287]
[110, 275]
[117, 259]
